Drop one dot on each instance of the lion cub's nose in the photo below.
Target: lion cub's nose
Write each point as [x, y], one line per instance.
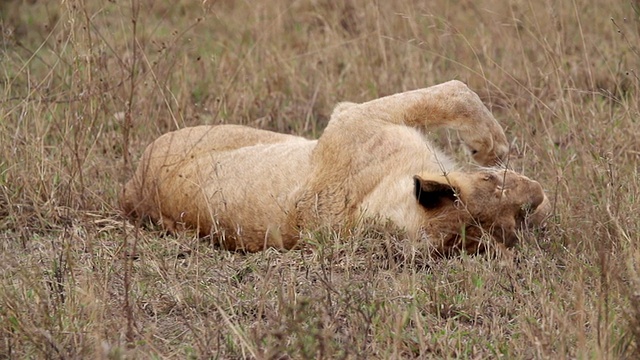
[541, 213]
[540, 207]
[537, 195]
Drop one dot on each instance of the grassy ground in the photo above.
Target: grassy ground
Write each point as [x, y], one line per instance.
[85, 85]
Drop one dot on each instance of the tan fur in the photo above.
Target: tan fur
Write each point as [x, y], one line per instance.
[251, 189]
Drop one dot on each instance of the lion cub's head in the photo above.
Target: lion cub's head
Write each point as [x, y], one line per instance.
[462, 207]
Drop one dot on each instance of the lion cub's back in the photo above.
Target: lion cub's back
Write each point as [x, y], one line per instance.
[219, 179]
[163, 163]
[243, 195]
[196, 140]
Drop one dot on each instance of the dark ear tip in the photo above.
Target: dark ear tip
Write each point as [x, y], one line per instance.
[417, 186]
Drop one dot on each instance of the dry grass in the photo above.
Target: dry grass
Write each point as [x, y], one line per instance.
[84, 88]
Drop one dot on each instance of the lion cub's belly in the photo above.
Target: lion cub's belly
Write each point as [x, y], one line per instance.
[247, 192]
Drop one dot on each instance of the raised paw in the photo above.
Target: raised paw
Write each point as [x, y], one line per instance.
[488, 147]
[480, 131]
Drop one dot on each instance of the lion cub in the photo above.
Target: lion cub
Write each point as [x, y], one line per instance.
[252, 189]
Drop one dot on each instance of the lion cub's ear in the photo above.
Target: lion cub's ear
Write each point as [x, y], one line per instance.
[432, 193]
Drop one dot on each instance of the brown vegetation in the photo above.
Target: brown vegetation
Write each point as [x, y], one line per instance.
[87, 84]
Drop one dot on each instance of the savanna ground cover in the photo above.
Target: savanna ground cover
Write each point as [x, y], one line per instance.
[85, 85]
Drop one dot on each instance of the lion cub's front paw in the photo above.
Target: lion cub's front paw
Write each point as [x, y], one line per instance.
[488, 150]
[479, 130]
[496, 156]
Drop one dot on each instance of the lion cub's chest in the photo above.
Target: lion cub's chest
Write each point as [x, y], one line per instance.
[398, 154]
